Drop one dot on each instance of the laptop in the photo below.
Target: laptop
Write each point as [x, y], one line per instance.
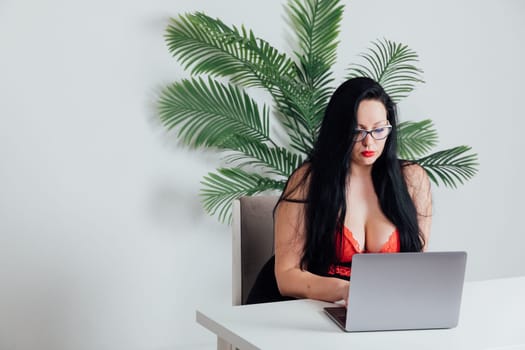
[403, 291]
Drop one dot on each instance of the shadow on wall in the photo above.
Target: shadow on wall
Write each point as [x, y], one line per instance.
[171, 203]
[173, 198]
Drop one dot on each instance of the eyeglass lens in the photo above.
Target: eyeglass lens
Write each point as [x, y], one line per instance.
[377, 133]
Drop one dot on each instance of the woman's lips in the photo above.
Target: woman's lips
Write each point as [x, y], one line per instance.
[368, 154]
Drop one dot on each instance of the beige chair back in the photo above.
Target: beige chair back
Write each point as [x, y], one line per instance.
[252, 229]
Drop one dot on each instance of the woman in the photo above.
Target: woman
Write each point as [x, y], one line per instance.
[353, 195]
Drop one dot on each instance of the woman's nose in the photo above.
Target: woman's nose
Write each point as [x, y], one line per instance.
[368, 139]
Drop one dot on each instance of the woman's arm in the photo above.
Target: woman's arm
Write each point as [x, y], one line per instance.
[289, 243]
[418, 184]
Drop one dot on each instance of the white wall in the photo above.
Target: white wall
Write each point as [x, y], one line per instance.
[103, 243]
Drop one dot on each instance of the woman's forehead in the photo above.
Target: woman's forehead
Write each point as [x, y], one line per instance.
[376, 124]
[371, 113]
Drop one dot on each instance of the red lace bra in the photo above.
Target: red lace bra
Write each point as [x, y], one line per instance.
[350, 246]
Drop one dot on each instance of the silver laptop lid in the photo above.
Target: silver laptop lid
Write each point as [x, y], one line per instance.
[405, 291]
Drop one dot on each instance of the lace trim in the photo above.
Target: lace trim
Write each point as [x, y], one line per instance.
[340, 270]
[390, 246]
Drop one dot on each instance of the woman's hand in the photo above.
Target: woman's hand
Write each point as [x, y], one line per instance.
[343, 288]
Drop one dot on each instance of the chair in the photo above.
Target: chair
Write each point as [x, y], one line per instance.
[252, 229]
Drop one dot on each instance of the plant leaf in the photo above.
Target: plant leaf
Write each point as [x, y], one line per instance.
[221, 188]
[392, 65]
[316, 24]
[207, 113]
[211, 47]
[415, 139]
[450, 166]
[272, 160]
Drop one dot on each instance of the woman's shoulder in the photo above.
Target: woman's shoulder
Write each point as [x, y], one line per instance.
[410, 167]
[415, 175]
[301, 172]
[297, 186]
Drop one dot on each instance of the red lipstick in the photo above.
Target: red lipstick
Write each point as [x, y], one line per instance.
[368, 154]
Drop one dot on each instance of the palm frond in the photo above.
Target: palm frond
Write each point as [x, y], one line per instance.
[208, 46]
[450, 166]
[392, 65]
[272, 160]
[206, 113]
[211, 47]
[316, 24]
[221, 188]
[415, 139]
[301, 136]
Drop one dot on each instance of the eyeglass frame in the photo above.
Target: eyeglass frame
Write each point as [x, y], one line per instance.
[358, 132]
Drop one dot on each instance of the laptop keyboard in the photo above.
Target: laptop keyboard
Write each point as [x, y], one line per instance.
[338, 312]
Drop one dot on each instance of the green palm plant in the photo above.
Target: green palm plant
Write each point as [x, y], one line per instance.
[213, 110]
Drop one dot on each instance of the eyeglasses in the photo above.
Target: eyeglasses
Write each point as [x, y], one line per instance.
[380, 133]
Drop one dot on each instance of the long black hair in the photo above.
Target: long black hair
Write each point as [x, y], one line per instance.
[326, 177]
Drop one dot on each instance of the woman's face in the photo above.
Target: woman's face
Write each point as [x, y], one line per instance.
[371, 115]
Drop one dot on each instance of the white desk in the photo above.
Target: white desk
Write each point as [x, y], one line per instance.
[492, 317]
